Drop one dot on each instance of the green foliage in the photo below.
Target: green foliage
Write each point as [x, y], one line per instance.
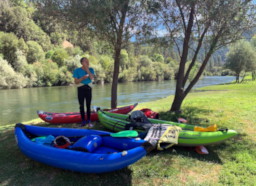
[194, 71]
[31, 75]
[35, 52]
[9, 78]
[64, 77]
[20, 63]
[107, 64]
[59, 56]
[23, 46]
[124, 60]
[73, 62]
[241, 57]
[74, 51]
[253, 41]
[8, 47]
[49, 54]
[57, 38]
[18, 21]
[158, 58]
[47, 73]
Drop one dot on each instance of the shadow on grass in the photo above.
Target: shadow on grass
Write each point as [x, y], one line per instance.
[189, 152]
[189, 113]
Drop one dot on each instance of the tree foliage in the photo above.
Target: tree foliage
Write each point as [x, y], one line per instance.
[241, 57]
[200, 25]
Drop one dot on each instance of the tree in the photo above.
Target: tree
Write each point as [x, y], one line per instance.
[241, 57]
[198, 26]
[112, 20]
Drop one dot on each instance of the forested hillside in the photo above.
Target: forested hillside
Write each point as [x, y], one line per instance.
[38, 50]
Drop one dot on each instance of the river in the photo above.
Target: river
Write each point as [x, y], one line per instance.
[19, 105]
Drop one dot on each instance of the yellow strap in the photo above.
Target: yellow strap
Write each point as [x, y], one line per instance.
[211, 128]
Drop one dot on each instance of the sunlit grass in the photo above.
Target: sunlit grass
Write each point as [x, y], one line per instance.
[233, 162]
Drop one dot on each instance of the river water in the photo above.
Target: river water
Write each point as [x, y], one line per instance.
[19, 105]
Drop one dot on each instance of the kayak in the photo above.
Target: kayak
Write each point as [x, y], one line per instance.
[101, 152]
[187, 136]
[75, 117]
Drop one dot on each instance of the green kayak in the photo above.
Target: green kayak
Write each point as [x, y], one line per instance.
[187, 137]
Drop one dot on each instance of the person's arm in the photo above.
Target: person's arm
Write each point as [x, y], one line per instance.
[91, 76]
[78, 80]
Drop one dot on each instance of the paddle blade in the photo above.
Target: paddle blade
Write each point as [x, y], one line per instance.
[125, 133]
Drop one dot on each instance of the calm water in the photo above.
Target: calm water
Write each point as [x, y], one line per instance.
[19, 105]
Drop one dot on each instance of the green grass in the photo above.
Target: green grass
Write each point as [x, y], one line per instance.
[230, 163]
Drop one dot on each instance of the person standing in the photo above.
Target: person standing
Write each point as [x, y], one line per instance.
[83, 76]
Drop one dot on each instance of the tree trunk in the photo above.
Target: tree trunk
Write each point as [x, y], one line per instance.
[178, 99]
[115, 77]
[118, 46]
[179, 92]
[237, 78]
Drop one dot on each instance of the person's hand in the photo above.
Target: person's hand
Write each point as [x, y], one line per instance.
[85, 76]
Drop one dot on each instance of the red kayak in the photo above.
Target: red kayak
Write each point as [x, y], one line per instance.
[75, 117]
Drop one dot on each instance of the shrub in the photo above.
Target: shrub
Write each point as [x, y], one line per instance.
[35, 52]
[59, 56]
[9, 78]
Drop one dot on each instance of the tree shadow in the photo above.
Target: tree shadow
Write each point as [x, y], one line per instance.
[190, 153]
[190, 114]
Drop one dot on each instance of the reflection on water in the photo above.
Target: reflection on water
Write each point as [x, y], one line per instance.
[21, 104]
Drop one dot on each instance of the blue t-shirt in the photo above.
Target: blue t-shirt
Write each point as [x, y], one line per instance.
[79, 72]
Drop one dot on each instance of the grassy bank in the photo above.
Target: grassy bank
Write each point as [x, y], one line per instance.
[230, 163]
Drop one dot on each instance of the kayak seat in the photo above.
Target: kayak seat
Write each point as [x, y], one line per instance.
[87, 143]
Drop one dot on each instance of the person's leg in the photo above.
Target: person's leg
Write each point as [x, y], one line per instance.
[81, 95]
[88, 98]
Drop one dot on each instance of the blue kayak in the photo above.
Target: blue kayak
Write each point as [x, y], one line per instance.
[100, 151]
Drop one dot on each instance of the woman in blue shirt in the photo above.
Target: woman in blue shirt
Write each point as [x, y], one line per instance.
[83, 77]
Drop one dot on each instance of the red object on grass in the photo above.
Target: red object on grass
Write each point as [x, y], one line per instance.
[201, 150]
[149, 113]
[182, 120]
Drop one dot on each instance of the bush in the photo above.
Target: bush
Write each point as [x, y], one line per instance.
[9, 78]
[47, 73]
[31, 75]
[49, 54]
[73, 62]
[64, 77]
[8, 47]
[59, 56]
[35, 52]
[57, 38]
[74, 51]
[20, 63]
[107, 64]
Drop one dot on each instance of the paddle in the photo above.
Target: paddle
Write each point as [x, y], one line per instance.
[121, 134]
[125, 133]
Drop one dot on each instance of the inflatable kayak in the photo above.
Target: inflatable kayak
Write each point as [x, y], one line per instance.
[92, 151]
[75, 117]
[187, 136]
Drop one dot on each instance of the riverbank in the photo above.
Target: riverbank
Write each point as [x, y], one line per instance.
[230, 163]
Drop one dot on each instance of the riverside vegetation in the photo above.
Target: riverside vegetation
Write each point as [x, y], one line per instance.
[232, 162]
